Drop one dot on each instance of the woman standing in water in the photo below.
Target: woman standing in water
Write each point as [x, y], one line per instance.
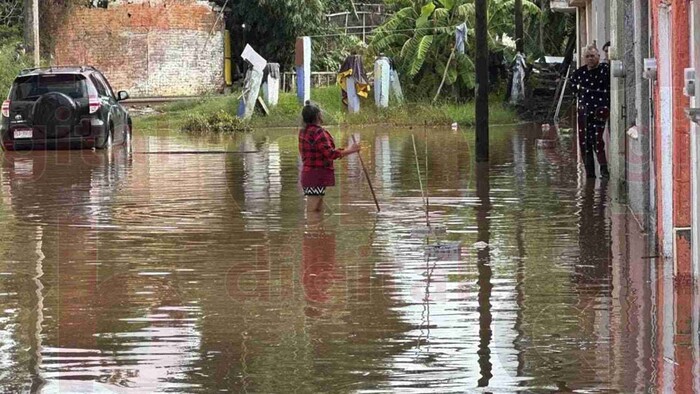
[318, 152]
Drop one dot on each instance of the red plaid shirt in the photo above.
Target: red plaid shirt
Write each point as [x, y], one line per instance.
[317, 148]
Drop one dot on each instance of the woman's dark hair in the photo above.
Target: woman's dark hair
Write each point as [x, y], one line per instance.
[310, 113]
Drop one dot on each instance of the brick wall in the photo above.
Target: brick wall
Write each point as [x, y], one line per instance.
[157, 48]
[681, 143]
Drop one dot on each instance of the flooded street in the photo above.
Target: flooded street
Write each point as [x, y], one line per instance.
[139, 272]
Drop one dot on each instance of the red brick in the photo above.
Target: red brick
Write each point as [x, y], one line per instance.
[146, 49]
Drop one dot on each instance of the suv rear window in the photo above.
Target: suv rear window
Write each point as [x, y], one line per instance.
[30, 88]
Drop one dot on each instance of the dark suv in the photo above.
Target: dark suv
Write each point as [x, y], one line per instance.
[63, 107]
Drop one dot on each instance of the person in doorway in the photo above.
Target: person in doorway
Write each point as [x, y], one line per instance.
[591, 83]
[606, 47]
[318, 152]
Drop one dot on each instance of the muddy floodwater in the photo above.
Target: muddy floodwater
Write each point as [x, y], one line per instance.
[131, 271]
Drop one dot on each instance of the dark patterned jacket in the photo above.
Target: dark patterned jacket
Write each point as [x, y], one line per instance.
[592, 87]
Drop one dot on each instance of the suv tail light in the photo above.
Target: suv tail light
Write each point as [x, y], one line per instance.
[94, 103]
[6, 108]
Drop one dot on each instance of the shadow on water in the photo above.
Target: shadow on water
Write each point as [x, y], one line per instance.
[201, 272]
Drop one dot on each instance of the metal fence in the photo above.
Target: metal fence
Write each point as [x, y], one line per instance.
[360, 23]
[318, 79]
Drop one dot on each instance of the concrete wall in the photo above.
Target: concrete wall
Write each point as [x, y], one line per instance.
[638, 150]
[617, 123]
[663, 97]
[159, 48]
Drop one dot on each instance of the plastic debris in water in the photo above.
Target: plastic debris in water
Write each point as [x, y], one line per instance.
[545, 127]
[455, 126]
[449, 251]
[427, 231]
[481, 245]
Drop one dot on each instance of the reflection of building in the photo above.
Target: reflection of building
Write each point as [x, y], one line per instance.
[262, 185]
[382, 164]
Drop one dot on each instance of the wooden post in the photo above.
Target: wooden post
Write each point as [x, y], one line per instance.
[363, 28]
[482, 82]
[519, 26]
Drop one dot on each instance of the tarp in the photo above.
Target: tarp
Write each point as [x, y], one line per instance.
[353, 67]
[517, 92]
[273, 70]
[460, 37]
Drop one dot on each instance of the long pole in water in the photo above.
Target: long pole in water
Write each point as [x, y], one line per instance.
[427, 179]
[420, 179]
[364, 169]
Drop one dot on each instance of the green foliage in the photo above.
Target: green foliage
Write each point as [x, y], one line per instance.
[272, 26]
[547, 34]
[10, 65]
[420, 37]
[11, 60]
[11, 14]
[330, 53]
[220, 122]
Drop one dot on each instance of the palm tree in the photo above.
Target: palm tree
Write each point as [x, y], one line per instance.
[420, 38]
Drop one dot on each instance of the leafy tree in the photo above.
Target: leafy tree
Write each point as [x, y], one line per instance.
[420, 37]
[11, 20]
[547, 34]
[272, 26]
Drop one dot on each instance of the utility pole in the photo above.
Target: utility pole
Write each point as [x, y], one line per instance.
[482, 81]
[35, 32]
[519, 26]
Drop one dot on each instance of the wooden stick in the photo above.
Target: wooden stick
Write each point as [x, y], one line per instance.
[427, 191]
[420, 179]
[364, 169]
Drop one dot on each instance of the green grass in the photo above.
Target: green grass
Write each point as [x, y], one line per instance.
[288, 112]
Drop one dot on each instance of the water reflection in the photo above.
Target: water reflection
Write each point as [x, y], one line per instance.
[318, 265]
[483, 187]
[201, 273]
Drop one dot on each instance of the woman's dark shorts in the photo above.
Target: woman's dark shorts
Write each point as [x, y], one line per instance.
[315, 191]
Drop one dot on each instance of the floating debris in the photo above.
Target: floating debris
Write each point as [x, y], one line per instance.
[481, 245]
[427, 231]
[449, 251]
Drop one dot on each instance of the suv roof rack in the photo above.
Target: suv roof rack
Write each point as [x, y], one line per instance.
[81, 68]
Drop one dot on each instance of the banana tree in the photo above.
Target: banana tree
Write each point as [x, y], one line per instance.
[420, 37]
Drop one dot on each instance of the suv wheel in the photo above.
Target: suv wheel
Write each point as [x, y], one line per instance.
[106, 143]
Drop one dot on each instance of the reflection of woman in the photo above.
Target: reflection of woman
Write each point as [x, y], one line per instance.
[318, 152]
[594, 237]
[318, 267]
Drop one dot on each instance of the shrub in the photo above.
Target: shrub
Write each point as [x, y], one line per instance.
[215, 123]
[11, 63]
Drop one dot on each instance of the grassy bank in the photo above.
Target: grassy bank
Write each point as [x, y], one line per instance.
[287, 112]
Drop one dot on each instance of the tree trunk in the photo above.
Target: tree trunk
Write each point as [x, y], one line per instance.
[482, 81]
[542, 21]
[519, 25]
[28, 27]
